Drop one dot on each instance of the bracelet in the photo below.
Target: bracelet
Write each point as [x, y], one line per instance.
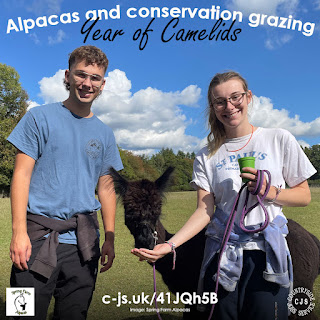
[278, 190]
[173, 250]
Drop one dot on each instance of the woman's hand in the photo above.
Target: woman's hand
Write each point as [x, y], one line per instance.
[251, 174]
[295, 196]
[158, 252]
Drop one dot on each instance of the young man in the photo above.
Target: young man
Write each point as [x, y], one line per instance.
[63, 152]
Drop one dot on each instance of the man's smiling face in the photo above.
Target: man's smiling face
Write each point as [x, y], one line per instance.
[86, 82]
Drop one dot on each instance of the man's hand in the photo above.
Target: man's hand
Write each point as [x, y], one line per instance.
[20, 250]
[107, 250]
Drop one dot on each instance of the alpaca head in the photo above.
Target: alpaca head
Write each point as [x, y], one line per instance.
[142, 201]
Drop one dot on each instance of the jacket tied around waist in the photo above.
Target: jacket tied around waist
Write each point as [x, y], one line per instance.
[86, 226]
[278, 259]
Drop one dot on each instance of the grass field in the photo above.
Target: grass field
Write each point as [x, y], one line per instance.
[130, 277]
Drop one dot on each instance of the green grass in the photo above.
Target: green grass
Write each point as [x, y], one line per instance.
[128, 275]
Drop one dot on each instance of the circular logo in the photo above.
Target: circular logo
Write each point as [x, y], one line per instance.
[94, 148]
[301, 301]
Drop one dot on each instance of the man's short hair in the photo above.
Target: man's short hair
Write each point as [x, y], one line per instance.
[91, 55]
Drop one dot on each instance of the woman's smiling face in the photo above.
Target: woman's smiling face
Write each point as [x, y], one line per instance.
[232, 116]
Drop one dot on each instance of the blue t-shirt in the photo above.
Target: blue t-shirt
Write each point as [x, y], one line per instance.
[71, 154]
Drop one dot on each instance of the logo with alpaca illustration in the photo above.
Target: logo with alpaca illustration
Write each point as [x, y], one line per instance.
[20, 301]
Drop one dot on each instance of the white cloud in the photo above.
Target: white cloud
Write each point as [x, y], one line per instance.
[34, 38]
[39, 7]
[317, 4]
[263, 114]
[276, 41]
[275, 38]
[146, 120]
[52, 89]
[151, 119]
[147, 138]
[303, 144]
[270, 7]
[59, 37]
[288, 7]
[32, 104]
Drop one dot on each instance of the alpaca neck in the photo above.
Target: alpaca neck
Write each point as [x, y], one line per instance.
[162, 233]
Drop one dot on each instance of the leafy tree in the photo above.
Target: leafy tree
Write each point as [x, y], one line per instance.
[13, 105]
[136, 167]
[182, 162]
[163, 159]
[313, 153]
[181, 155]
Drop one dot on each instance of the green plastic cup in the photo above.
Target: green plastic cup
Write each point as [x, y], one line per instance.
[246, 162]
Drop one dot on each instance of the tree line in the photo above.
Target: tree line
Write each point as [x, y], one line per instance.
[143, 167]
[13, 105]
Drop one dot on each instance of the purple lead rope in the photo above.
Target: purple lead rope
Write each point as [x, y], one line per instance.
[245, 211]
[173, 251]
[256, 191]
[155, 291]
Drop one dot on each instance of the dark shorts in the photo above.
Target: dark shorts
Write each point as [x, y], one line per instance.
[72, 284]
[254, 297]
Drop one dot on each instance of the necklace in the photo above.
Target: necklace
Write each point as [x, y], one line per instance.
[244, 145]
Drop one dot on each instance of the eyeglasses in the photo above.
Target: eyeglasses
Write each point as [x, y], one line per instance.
[81, 76]
[221, 103]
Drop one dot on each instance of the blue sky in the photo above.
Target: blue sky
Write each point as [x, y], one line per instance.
[156, 97]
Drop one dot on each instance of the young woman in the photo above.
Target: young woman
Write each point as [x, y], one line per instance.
[256, 270]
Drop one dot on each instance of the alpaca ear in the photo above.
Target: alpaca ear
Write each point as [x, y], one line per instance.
[120, 183]
[163, 181]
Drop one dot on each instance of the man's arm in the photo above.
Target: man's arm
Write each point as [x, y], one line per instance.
[20, 247]
[107, 198]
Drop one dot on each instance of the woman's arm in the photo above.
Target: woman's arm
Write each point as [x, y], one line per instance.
[199, 219]
[297, 196]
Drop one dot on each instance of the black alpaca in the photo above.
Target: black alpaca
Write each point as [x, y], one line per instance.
[142, 201]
